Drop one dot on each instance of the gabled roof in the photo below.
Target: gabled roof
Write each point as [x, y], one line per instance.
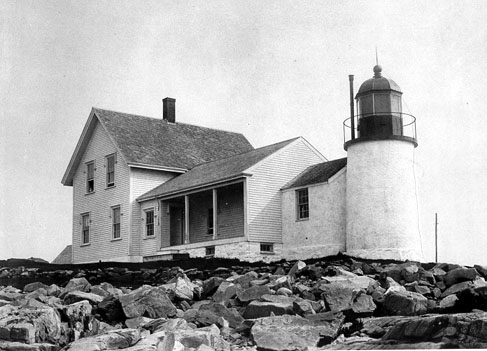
[318, 173]
[214, 172]
[153, 142]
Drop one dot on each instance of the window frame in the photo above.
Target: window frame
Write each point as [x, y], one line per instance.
[116, 226]
[302, 204]
[110, 184]
[85, 228]
[210, 226]
[267, 248]
[148, 224]
[88, 179]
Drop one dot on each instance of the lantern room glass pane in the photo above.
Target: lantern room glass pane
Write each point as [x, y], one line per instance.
[382, 103]
[365, 106]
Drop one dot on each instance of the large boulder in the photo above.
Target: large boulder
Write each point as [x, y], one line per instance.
[76, 284]
[147, 301]
[405, 303]
[253, 293]
[29, 325]
[111, 340]
[230, 314]
[258, 309]
[110, 310]
[76, 296]
[337, 297]
[458, 275]
[286, 332]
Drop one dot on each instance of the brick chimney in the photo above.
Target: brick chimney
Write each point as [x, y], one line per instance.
[169, 109]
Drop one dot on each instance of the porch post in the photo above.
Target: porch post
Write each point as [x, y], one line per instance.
[186, 219]
[215, 213]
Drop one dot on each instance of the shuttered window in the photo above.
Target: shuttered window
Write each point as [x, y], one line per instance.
[302, 204]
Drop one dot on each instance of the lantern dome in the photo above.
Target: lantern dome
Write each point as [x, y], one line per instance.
[378, 84]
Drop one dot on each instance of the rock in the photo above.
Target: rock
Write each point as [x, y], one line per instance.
[230, 314]
[405, 303]
[482, 270]
[182, 286]
[147, 301]
[137, 322]
[194, 338]
[111, 340]
[458, 275]
[299, 265]
[30, 325]
[460, 330]
[253, 293]
[10, 294]
[18, 346]
[363, 304]
[76, 284]
[280, 333]
[337, 297]
[210, 285]
[284, 291]
[226, 291]
[410, 272]
[448, 302]
[34, 286]
[303, 307]
[53, 290]
[257, 309]
[110, 310]
[76, 296]
[457, 288]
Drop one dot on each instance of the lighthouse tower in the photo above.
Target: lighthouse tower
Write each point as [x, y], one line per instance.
[381, 204]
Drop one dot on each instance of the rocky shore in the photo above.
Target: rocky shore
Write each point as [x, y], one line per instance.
[332, 303]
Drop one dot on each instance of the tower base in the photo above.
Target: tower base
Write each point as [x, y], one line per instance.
[387, 254]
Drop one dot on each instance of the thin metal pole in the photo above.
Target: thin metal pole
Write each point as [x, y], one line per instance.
[436, 237]
[352, 112]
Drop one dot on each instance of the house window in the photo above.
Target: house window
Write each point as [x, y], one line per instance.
[210, 221]
[149, 222]
[116, 222]
[210, 251]
[90, 177]
[302, 201]
[266, 248]
[85, 228]
[110, 163]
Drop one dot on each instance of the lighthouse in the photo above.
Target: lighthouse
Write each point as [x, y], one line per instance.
[382, 219]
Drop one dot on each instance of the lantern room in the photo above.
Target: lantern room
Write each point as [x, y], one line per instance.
[380, 116]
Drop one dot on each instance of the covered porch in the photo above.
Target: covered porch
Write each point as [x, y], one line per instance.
[203, 216]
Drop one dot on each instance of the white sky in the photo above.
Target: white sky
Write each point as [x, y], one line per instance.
[271, 70]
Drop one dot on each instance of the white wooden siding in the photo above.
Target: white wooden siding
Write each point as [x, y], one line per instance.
[263, 188]
[141, 181]
[99, 203]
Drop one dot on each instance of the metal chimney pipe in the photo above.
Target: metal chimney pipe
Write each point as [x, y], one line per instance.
[352, 111]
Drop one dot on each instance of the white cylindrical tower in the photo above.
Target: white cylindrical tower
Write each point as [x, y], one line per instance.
[382, 208]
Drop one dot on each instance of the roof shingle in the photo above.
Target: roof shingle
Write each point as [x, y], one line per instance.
[318, 173]
[212, 172]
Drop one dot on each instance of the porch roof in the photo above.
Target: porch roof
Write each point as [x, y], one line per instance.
[318, 173]
[214, 172]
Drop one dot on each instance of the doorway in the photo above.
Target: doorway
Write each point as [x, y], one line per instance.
[176, 225]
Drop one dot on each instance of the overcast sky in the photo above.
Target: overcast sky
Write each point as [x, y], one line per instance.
[271, 70]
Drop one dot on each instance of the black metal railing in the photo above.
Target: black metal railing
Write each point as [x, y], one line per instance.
[401, 125]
